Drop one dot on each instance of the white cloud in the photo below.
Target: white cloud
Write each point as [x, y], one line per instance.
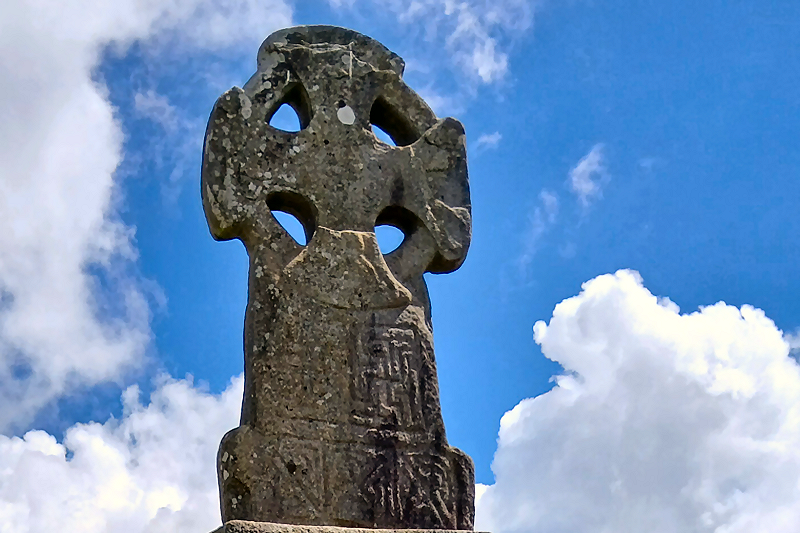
[60, 144]
[488, 140]
[152, 471]
[663, 422]
[586, 178]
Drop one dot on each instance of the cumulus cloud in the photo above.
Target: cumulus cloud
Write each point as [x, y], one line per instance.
[60, 144]
[152, 471]
[662, 422]
[586, 178]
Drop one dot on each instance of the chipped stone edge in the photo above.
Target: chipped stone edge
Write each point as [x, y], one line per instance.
[243, 526]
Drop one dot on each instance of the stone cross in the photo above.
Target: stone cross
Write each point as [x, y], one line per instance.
[341, 423]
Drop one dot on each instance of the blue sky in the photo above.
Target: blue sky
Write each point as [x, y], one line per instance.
[649, 137]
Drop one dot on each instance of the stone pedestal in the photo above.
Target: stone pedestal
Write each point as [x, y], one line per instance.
[242, 526]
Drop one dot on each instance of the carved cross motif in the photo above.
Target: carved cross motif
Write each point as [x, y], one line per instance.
[341, 423]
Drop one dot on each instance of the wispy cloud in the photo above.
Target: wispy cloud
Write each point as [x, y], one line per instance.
[476, 34]
[549, 205]
[157, 108]
[648, 163]
[585, 183]
[441, 104]
[488, 140]
[541, 219]
[586, 178]
[179, 143]
[471, 43]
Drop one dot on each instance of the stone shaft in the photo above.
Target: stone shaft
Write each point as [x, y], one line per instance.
[341, 422]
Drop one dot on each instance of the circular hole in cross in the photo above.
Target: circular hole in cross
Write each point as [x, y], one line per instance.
[389, 238]
[382, 135]
[292, 226]
[285, 119]
[391, 125]
[295, 214]
[393, 226]
[292, 112]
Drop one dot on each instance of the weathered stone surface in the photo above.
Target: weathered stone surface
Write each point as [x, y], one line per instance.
[341, 422]
[240, 526]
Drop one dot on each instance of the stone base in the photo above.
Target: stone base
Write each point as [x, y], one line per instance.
[241, 526]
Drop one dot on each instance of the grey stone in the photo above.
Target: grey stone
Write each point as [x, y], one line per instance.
[341, 423]
[240, 526]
